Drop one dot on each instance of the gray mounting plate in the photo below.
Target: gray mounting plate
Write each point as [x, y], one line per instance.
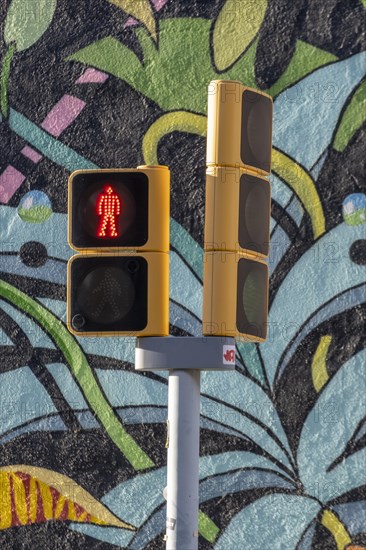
[185, 352]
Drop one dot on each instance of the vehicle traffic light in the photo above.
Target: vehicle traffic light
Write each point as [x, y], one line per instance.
[238, 202]
[119, 220]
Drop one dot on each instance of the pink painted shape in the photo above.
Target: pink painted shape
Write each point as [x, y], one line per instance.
[62, 114]
[10, 180]
[131, 21]
[31, 154]
[92, 76]
[159, 4]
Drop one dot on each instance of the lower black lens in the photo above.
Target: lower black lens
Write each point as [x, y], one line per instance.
[106, 295]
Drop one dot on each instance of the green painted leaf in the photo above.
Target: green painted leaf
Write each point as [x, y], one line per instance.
[82, 372]
[140, 10]
[234, 30]
[207, 528]
[170, 84]
[183, 86]
[353, 117]
[27, 20]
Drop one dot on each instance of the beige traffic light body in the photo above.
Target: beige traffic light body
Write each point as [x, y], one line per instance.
[118, 284]
[237, 215]
[223, 295]
[232, 194]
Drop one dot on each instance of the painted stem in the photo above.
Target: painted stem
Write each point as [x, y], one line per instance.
[175, 121]
[82, 372]
[294, 175]
[4, 79]
[334, 525]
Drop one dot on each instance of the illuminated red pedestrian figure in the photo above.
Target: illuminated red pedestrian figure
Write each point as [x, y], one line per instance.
[108, 208]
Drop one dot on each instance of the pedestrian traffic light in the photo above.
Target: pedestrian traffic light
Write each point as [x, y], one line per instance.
[238, 202]
[119, 220]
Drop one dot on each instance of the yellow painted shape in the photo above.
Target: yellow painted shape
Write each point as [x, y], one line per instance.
[68, 489]
[20, 500]
[71, 514]
[336, 527]
[59, 506]
[175, 121]
[235, 29]
[46, 495]
[140, 10]
[5, 500]
[301, 182]
[319, 371]
[32, 499]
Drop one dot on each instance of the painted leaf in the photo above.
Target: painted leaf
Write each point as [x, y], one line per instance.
[158, 79]
[26, 21]
[352, 119]
[334, 278]
[29, 494]
[234, 30]
[326, 432]
[318, 98]
[140, 10]
[274, 521]
[82, 371]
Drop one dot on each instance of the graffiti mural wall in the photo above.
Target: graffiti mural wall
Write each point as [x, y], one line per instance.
[116, 83]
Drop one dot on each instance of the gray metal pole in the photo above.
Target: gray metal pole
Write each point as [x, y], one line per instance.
[183, 460]
[184, 357]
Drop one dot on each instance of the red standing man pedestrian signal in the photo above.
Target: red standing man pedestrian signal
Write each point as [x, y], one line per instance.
[108, 209]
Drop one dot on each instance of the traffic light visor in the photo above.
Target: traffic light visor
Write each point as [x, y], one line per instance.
[256, 136]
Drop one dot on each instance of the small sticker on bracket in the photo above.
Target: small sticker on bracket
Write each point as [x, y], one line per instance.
[228, 355]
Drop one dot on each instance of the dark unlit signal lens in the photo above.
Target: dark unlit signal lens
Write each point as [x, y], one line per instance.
[254, 214]
[256, 139]
[252, 298]
[109, 293]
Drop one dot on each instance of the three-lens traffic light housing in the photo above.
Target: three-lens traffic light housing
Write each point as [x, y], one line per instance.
[238, 202]
[119, 222]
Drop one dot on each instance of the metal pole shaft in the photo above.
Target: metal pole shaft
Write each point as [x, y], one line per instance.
[183, 460]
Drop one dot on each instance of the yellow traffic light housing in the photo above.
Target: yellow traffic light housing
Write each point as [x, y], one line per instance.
[238, 202]
[237, 215]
